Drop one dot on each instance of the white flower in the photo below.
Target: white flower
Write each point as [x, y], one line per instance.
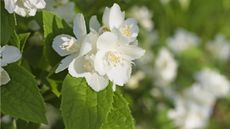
[8, 54]
[182, 40]
[83, 66]
[66, 45]
[165, 69]
[24, 7]
[200, 95]
[114, 58]
[62, 8]
[114, 20]
[220, 48]
[189, 115]
[213, 82]
[144, 16]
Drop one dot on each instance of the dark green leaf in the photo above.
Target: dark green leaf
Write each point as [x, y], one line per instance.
[21, 97]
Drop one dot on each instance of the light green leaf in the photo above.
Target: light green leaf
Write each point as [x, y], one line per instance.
[7, 22]
[53, 26]
[21, 97]
[83, 108]
[120, 116]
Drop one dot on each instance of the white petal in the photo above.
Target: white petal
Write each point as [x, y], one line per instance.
[76, 67]
[10, 5]
[9, 54]
[60, 40]
[131, 52]
[79, 27]
[22, 11]
[116, 17]
[107, 41]
[100, 63]
[105, 17]
[39, 4]
[86, 46]
[96, 82]
[65, 63]
[32, 12]
[4, 76]
[94, 24]
[120, 74]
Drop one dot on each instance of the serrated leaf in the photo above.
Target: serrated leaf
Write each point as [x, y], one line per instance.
[120, 116]
[83, 108]
[7, 22]
[53, 26]
[20, 97]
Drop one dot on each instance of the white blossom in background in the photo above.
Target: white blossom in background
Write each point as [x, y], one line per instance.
[213, 82]
[182, 40]
[189, 115]
[8, 54]
[24, 7]
[200, 95]
[62, 8]
[184, 4]
[144, 16]
[135, 79]
[220, 48]
[194, 106]
[165, 69]
[165, 2]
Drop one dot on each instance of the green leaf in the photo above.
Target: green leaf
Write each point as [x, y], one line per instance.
[53, 26]
[120, 116]
[14, 40]
[20, 97]
[7, 22]
[83, 108]
[23, 38]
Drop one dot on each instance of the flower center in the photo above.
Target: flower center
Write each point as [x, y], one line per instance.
[113, 57]
[126, 30]
[70, 46]
[88, 66]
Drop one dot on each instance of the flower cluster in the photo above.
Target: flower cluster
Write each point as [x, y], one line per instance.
[194, 107]
[24, 7]
[8, 54]
[105, 53]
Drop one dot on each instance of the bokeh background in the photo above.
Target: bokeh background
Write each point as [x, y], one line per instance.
[187, 45]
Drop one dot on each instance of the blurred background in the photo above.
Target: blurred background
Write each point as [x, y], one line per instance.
[182, 82]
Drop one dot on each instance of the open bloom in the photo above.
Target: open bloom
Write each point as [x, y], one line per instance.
[114, 58]
[71, 47]
[8, 54]
[219, 48]
[24, 7]
[114, 20]
[83, 66]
